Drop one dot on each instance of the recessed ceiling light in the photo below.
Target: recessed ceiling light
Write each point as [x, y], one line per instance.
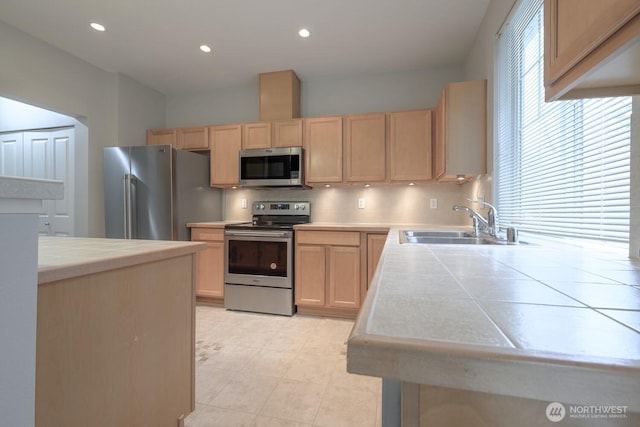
[205, 48]
[304, 33]
[97, 27]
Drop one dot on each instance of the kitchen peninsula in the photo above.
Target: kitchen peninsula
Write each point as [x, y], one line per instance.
[493, 334]
[115, 332]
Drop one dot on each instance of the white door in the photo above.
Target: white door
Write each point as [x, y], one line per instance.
[61, 212]
[49, 154]
[11, 157]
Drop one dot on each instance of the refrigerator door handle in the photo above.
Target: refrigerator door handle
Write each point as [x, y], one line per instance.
[129, 205]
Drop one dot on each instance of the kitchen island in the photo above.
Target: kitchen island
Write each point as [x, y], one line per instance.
[115, 332]
[490, 335]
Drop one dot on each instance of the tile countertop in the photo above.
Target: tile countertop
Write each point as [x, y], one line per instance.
[62, 258]
[547, 322]
[25, 195]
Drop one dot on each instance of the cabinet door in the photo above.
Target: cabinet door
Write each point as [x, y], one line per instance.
[375, 244]
[461, 141]
[256, 135]
[210, 271]
[310, 275]
[344, 277]
[161, 137]
[574, 28]
[287, 133]
[225, 142]
[410, 145]
[196, 138]
[365, 147]
[210, 262]
[323, 146]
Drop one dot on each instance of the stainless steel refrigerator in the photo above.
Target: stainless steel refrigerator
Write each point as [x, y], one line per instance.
[153, 191]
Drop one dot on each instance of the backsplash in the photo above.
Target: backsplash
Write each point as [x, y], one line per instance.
[384, 204]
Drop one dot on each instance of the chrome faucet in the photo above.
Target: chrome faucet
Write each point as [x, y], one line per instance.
[480, 225]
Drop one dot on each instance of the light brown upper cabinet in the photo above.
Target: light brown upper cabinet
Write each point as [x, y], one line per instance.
[161, 137]
[365, 147]
[193, 138]
[592, 48]
[323, 150]
[410, 145]
[225, 143]
[287, 133]
[256, 135]
[276, 134]
[279, 95]
[461, 131]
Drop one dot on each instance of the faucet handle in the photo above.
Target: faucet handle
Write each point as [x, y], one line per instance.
[483, 203]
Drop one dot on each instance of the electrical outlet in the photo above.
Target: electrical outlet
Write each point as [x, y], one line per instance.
[433, 203]
[361, 204]
[243, 203]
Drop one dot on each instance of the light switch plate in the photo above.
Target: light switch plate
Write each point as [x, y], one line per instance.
[243, 203]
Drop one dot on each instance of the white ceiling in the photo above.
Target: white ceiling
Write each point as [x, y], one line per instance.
[156, 42]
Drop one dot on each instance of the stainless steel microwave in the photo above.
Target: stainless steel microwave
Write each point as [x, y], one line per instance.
[272, 167]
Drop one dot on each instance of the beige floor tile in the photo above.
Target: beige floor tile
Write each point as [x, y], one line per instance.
[288, 340]
[294, 400]
[227, 357]
[312, 367]
[261, 421]
[273, 363]
[290, 371]
[347, 407]
[245, 392]
[209, 416]
[210, 380]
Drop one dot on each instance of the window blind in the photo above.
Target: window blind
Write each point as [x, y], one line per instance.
[562, 168]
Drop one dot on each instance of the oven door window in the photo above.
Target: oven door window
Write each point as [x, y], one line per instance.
[258, 258]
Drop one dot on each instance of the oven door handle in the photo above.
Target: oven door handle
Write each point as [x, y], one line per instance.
[255, 234]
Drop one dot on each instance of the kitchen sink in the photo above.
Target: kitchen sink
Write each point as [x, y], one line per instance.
[436, 234]
[448, 237]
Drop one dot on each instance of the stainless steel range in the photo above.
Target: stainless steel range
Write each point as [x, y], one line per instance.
[259, 261]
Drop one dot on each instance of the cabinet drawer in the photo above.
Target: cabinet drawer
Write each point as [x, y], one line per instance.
[336, 238]
[198, 233]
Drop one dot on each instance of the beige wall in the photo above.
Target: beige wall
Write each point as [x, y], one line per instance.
[385, 204]
[115, 109]
[339, 95]
[321, 97]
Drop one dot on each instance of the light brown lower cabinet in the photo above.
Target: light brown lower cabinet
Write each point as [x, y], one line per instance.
[116, 348]
[209, 264]
[328, 272]
[375, 244]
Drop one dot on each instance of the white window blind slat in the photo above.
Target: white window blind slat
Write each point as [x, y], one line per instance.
[562, 168]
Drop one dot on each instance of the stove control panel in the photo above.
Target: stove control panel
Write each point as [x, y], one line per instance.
[281, 208]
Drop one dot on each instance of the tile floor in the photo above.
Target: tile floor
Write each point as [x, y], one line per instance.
[268, 371]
